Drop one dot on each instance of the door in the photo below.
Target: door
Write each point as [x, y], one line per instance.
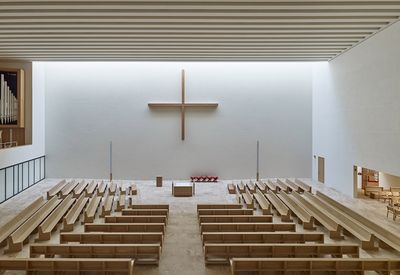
[321, 169]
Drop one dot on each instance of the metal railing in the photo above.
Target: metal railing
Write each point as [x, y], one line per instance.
[18, 177]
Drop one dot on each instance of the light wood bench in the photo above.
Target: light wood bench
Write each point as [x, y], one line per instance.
[264, 204]
[262, 186]
[90, 212]
[78, 266]
[241, 187]
[231, 188]
[251, 187]
[112, 238]
[20, 236]
[50, 223]
[121, 203]
[282, 210]
[102, 189]
[262, 237]
[149, 206]
[318, 214]
[135, 219]
[68, 188]
[133, 189]
[79, 189]
[395, 189]
[235, 218]
[386, 237]
[302, 215]
[141, 253]
[247, 227]
[219, 206]
[248, 199]
[145, 212]
[74, 213]
[369, 189]
[107, 206]
[91, 188]
[56, 189]
[314, 265]
[124, 227]
[203, 212]
[113, 188]
[215, 253]
[349, 224]
[18, 220]
[272, 186]
[282, 186]
[124, 190]
[293, 186]
[304, 186]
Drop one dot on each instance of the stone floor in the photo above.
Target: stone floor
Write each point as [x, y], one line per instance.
[182, 251]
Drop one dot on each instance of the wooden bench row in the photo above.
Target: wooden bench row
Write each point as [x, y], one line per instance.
[247, 227]
[235, 218]
[219, 206]
[135, 219]
[124, 227]
[112, 238]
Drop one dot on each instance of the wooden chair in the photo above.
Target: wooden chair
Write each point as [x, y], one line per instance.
[251, 187]
[133, 189]
[113, 188]
[247, 227]
[124, 227]
[121, 203]
[241, 187]
[141, 253]
[50, 223]
[91, 209]
[91, 188]
[79, 189]
[303, 186]
[231, 188]
[102, 189]
[12, 225]
[262, 237]
[248, 199]
[262, 186]
[219, 206]
[264, 204]
[203, 212]
[107, 206]
[392, 210]
[68, 188]
[282, 210]
[135, 219]
[74, 213]
[78, 265]
[235, 218]
[302, 215]
[56, 189]
[112, 238]
[220, 253]
[21, 235]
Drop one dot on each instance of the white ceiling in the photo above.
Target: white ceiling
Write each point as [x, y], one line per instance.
[187, 30]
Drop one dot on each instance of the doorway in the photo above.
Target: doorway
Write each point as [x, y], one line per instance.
[321, 169]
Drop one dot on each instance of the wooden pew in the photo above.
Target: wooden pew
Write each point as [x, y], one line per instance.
[349, 224]
[19, 219]
[133, 189]
[135, 219]
[124, 190]
[231, 188]
[124, 227]
[121, 203]
[90, 212]
[219, 206]
[262, 186]
[141, 253]
[302, 215]
[293, 186]
[264, 204]
[386, 237]
[79, 189]
[282, 186]
[203, 212]
[74, 213]
[272, 186]
[220, 253]
[235, 218]
[56, 189]
[279, 206]
[107, 206]
[251, 187]
[369, 189]
[314, 265]
[113, 188]
[304, 186]
[318, 214]
[91, 188]
[262, 237]
[68, 188]
[21, 235]
[102, 189]
[149, 206]
[145, 212]
[248, 199]
[78, 265]
[112, 238]
[241, 187]
[246, 227]
[50, 223]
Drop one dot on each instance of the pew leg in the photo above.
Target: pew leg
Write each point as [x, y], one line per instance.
[336, 235]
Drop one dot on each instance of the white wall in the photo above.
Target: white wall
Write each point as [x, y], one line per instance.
[19, 154]
[89, 104]
[356, 110]
[387, 180]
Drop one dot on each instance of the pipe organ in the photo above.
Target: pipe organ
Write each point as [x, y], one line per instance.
[8, 103]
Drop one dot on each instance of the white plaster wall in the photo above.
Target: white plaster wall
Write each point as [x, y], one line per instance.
[19, 154]
[89, 104]
[356, 110]
[387, 180]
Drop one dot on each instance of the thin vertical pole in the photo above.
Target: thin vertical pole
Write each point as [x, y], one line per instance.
[183, 107]
[110, 161]
[258, 160]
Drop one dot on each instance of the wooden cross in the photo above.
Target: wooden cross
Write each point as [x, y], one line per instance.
[183, 105]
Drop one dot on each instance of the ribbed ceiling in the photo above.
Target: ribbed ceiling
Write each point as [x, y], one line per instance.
[185, 30]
